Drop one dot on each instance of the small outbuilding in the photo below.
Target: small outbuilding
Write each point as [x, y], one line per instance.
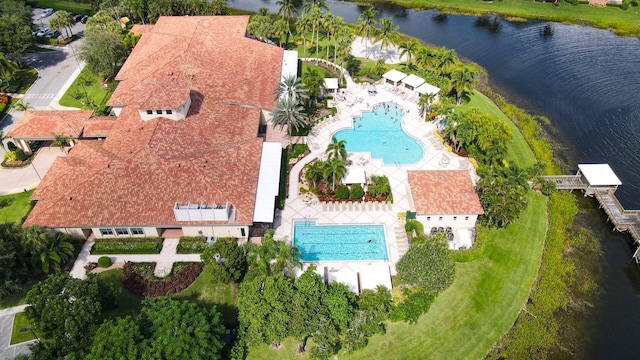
[394, 77]
[330, 85]
[412, 82]
[598, 177]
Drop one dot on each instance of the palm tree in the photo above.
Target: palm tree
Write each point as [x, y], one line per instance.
[303, 24]
[387, 34]
[57, 250]
[22, 106]
[60, 141]
[62, 20]
[338, 24]
[316, 19]
[335, 169]
[315, 171]
[34, 239]
[274, 257]
[288, 10]
[408, 48]
[446, 59]
[313, 81]
[289, 113]
[426, 58]
[462, 80]
[328, 21]
[2, 139]
[367, 20]
[291, 87]
[314, 4]
[345, 41]
[425, 102]
[337, 149]
[280, 28]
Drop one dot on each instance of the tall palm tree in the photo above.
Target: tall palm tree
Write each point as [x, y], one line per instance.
[303, 25]
[316, 19]
[446, 59]
[274, 257]
[462, 80]
[314, 4]
[425, 58]
[387, 34]
[287, 9]
[335, 169]
[34, 239]
[425, 102]
[328, 21]
[338, 25]
[367, 20]
[62, 20]
[313, 81]
[22, 106]
[345, 41]
[337, 149]
[292, 87]
[289, 113]
[408, 49]
[60, 141]
[315, 171]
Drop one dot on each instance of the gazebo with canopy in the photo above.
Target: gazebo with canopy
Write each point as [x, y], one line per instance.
[394, 77]
[412, 82]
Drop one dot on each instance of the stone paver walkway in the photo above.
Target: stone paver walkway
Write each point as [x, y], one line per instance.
[6, 325]
[164, 261]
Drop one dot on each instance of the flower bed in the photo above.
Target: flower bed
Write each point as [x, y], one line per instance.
[191, 245]
[134, 245]
[139, 285]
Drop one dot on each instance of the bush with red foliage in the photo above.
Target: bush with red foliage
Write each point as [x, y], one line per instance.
[138, 285]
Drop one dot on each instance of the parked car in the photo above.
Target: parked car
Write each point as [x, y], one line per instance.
[84, 19]
[42, 31]
[53, 34]
[46, 12]
[78, 17]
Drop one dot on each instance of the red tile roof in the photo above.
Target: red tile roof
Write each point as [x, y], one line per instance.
[135, 176]
[446, 192]
[42, 124]
[98, 126]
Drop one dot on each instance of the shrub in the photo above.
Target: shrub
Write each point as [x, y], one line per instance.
[20, 155]
[624, 6]
[428, 265]
[356, 191]
[416, 225]
[416, 303]
[131, 245]
[342, 192]
[104, 261]
[3, 107]
[191, 245]
[139, 285]
[90, 266]
[11, 146]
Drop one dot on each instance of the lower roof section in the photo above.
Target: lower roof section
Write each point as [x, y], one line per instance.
[268, 182]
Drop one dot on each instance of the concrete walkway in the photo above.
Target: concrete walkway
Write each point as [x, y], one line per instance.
[6, 325]
[164, 261]
[16, 180]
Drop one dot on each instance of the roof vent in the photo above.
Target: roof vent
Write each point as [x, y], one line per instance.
[169, 73]
[70, 198]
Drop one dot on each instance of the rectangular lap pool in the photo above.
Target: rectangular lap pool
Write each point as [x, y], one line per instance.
[339, 242]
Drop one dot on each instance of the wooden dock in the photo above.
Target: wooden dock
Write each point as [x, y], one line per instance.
[622, 219]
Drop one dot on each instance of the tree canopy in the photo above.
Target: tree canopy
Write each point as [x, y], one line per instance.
[103, 51]
[225, 260]
[428, 265]
[15, 27]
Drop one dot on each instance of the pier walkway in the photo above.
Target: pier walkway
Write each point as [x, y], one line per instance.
[599, 181]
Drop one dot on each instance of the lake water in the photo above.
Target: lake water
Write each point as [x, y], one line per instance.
[587, 82]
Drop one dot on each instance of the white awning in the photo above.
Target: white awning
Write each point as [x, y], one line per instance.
[427, 88]
[394, 75]
[354, 175]
[344, 276]
[413, 81]
[268, 182]
[599, 174]
[373, 275]
[331, 83]
[289, 64]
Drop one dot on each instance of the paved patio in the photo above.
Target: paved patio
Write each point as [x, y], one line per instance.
[357, 99]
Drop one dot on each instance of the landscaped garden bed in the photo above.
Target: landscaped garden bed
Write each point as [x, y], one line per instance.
[129, 245]
[138, 278]
[191, 245]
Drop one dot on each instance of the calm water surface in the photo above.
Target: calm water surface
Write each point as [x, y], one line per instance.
[587, 81]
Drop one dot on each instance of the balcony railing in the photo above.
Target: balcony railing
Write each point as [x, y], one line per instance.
[201, 212]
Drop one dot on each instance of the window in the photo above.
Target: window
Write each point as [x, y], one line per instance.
[137, 231]
[466, 218]
[149, 112]
[440, 218]
[242, 232]
[169, 112]
[159, 112]
[455, 218]
[106, 232]
[122, 231]
[428, 218]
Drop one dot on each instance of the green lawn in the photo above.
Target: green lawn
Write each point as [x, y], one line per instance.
[85, 85]
[20, 322]
[205, 292]
[17, 207]
[518, 151]
[69, 6]
[624, 22]
[128, 304]
[468, 318]
[20, 81]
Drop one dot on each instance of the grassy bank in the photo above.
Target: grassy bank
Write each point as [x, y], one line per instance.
[622, 22]
[20, 321]
[86, 92]
[69, 6]
[14, 208]
[468, 318]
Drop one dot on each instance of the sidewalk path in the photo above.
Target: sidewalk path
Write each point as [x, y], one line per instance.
[164, 261]
[13, 181]
[6, 325]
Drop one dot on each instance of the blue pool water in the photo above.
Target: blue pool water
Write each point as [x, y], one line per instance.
[339, 242]
[380, 133]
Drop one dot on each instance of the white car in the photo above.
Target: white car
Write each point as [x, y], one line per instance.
[46, 12]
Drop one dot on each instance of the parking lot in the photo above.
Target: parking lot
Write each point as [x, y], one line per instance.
[42, 23]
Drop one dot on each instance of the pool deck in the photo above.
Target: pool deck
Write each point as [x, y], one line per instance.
[358, 99]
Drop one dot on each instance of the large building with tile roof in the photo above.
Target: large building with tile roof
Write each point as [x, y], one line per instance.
[184, 151]
[444, 198]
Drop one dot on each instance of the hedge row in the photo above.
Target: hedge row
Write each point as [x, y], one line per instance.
[191, 245]
[138, 285]
[133, 245]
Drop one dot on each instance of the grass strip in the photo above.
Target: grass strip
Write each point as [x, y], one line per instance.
[16, 207]
[68, 6]
[20, 321]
